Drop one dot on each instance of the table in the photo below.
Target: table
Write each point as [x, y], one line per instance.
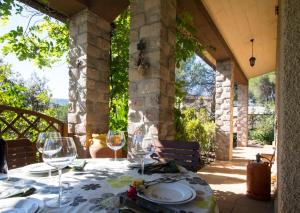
[103, 178]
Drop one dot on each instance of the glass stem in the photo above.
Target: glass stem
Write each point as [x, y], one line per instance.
[115, 155]
[142, 165]
[60, 188]
[49, 173]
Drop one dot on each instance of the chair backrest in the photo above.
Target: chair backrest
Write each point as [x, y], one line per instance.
[186, 154]
[21, 152]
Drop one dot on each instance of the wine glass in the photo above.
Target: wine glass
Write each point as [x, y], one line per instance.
[59, 153]
[115, 140]
[42, 137]
[143, 145]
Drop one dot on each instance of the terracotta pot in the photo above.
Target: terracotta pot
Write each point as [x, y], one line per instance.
[99, 149]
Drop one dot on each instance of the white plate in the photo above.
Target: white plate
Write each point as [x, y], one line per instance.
[169, 193]
[39, 168]
[21, 204]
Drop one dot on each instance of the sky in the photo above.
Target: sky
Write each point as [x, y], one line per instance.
[57, 76]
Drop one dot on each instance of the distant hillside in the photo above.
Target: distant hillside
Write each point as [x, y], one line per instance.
[59, 101]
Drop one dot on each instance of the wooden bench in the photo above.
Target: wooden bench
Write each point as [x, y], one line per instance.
[21, 152]
[186, 154]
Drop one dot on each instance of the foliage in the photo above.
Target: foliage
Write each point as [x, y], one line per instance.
[118, 114]
[119, 72]
[32, 94]
[44, 42]
[262, 89]
[198, 78]
[264, 131]
[262, 93]
[61, 112]
[14, 91]
[186, 44]
[6, 7]
[196, 126]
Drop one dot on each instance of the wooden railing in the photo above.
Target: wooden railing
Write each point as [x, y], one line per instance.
[16, 123]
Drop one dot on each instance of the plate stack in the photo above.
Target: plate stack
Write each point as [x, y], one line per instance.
[169, 193]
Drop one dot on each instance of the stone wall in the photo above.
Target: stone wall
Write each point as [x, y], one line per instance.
[88, 77]
[224, 109]
[152, 91]
[242, 117]
[288, 78]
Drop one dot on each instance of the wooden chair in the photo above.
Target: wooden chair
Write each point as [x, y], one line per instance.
[21, 152]
[186, 154]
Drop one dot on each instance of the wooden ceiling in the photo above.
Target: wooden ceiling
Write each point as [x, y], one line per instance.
[225, 27]
[238, 22]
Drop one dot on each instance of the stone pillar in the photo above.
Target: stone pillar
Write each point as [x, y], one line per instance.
[288, 78]
[224, 109]
[88, 77]
[152, 91]
[242, 116]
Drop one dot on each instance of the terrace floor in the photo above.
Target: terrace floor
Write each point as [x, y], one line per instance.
[228, 180]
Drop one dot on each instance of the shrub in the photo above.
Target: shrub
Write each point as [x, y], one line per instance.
[264, 131]
[195, 126]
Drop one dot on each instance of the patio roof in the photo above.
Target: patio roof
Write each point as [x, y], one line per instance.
[238, 22]
[225, 27]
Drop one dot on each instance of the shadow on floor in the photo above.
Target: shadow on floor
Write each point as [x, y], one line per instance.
[219, 179]
[225, 170]
[228, 181]
[230, 202]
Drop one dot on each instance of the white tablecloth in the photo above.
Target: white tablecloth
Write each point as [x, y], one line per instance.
[104, 178]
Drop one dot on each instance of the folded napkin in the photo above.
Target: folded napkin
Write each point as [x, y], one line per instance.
[17, 192]
[16, 205]
[78, 165]
[142, 206]
[169, 167]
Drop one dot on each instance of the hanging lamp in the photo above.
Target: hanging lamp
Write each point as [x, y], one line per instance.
[252, 59]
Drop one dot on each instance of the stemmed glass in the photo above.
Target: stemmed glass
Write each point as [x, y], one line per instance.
[143, 145]
[42, 137]
[115, 140]
[59, 153]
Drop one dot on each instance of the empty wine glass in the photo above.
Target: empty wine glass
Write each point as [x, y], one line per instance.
[42, 137]
[115, 140]
[59, 153]
[143, 145]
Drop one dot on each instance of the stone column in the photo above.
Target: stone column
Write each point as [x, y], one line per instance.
[242, 116]
[224, 109]
[88, 77]
[152, 90]
[288, 78]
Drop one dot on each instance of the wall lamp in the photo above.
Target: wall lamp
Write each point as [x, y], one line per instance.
[142, 63]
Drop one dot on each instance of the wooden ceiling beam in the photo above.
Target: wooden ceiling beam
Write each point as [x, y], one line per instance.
[45, 9]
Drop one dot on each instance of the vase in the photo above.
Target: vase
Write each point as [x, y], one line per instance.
[99, 149]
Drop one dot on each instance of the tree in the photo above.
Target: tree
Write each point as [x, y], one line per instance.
[37, 94]
[262, 92]
[15, 91]
[12, 91]
[262, 89]
[45, 41]
[198, 78]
